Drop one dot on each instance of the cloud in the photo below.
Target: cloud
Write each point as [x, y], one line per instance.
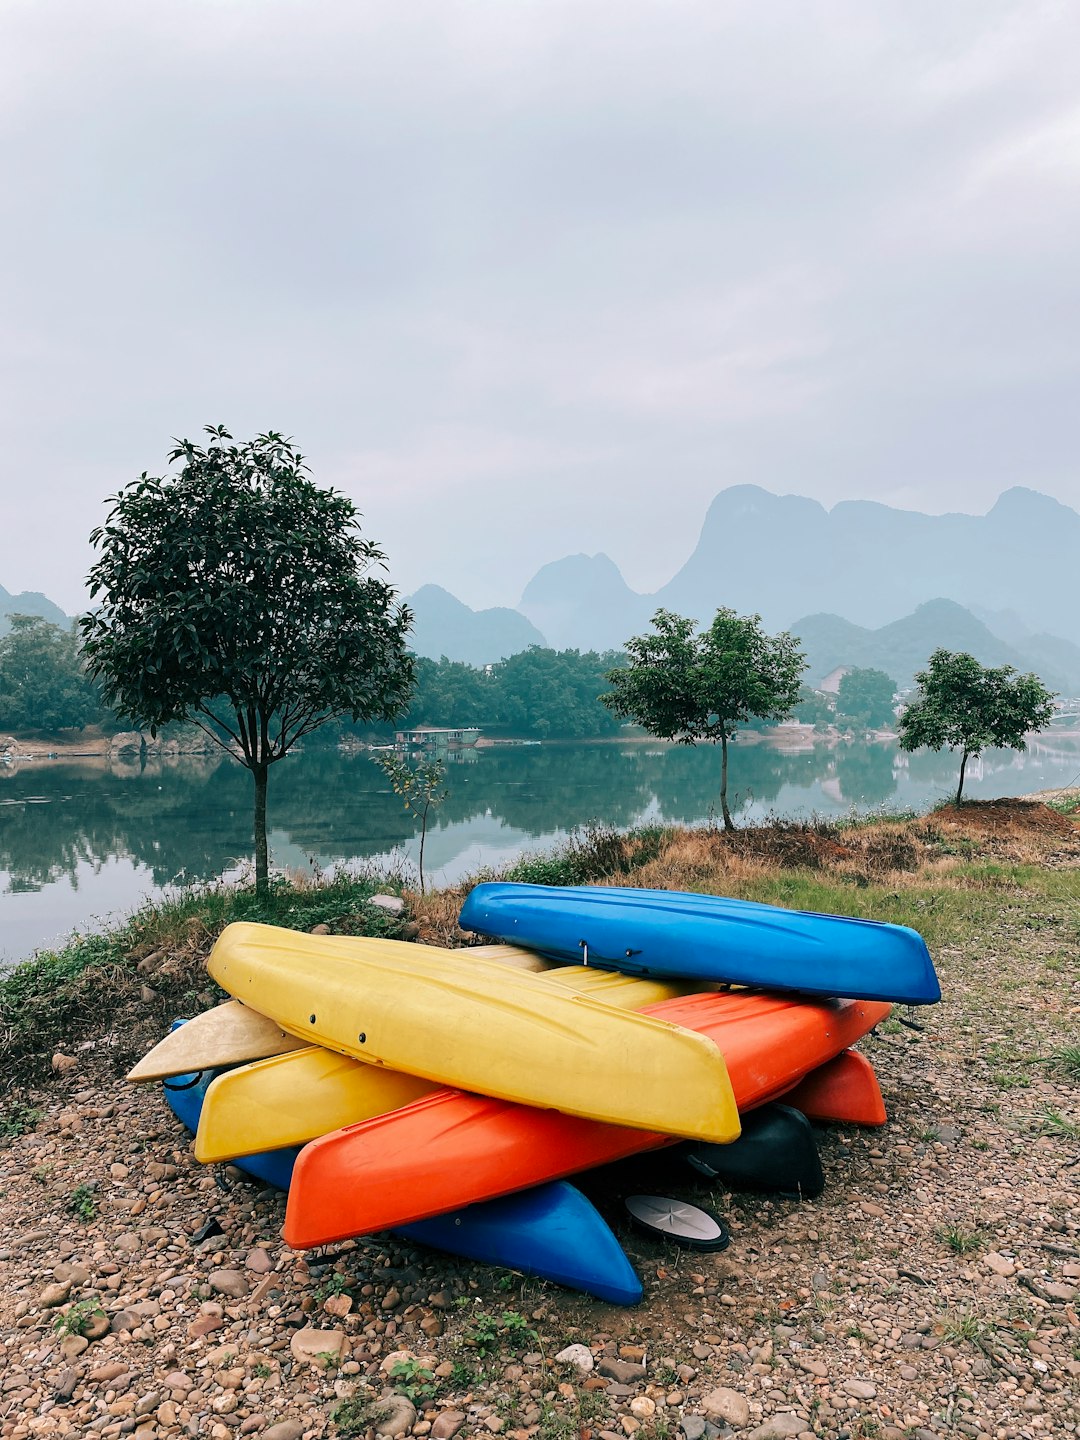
[538, 278]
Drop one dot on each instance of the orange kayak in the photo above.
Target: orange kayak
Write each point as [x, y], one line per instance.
[845, 1091]
[452, 1148]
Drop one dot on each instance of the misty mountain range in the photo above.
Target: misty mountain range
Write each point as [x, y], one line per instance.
[861, 584]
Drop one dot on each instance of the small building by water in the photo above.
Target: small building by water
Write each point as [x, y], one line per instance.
[438, 737]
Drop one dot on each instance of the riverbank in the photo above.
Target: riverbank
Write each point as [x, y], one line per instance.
[931, 1291]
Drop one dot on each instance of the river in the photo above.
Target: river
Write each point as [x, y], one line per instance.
[83, 841]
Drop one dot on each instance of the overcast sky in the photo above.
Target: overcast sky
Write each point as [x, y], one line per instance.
[527, 278]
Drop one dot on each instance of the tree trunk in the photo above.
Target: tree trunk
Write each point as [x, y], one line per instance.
[423, 838]
[729, 824]
[262, 867]
[963, 767]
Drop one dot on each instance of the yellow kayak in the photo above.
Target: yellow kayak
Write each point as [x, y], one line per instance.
[291, 1099]
[234, 1034]
[480, 1026]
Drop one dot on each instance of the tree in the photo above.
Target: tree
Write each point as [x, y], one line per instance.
[421, 785]
[814, 707]
[865, 698]
[962, 705]
[691, 687]
[240, 596]
[43, 682]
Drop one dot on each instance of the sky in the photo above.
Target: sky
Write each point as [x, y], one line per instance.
[528, 278]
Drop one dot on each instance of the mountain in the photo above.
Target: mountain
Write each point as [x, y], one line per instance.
[29, 602]
[583, 603]
[443, 626]
[784, 555]
[904, 646]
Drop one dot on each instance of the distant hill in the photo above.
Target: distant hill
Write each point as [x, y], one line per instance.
[445, 627]
[29, 602]
[784, 556]
[583, 603]
[904, 646]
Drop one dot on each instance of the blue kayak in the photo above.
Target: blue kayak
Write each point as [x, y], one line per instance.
[552, 1231]
[708, 938]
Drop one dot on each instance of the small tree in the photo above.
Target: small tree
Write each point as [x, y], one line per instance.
[421, 786]
[239, 595]
[692, 687]
[865, 698]
[962, 705]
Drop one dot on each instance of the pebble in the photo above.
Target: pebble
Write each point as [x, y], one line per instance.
[727, 1405]
[580, 1356]
[847, 1314]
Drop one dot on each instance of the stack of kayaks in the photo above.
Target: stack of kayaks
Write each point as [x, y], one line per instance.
[446, 1095]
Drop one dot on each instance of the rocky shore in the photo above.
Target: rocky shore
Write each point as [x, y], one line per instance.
[931, 1292]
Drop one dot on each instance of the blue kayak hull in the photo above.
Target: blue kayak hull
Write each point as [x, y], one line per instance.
[709, 938]
[552, 1231]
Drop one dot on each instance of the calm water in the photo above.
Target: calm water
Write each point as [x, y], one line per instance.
[80, 842]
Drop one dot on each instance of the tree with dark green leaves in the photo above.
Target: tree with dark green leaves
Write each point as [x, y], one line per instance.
[43, 680]
[865, 699]
[962, 705]
[548, 693]
[691, 687]
[814, 707]
[240, 596]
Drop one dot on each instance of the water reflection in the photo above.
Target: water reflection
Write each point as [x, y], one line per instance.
[68, 824]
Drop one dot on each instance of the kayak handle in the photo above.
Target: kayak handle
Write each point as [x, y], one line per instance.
[187, 1085]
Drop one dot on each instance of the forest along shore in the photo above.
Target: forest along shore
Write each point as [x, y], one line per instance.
[931, 1291]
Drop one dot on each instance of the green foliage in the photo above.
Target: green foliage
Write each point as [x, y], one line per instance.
[489, 1334]
[81, 1202]
[965, 706]
[17, 1118]
[961, 1241]
[43, 681]
[52, 995]
[356, 1415]
[589, 853]
[413, 1380]
[865, 699]
[76, 1319]
[814, 707]
[693, 687]
[549, 693]
[421, 782]
[539, 693]
[240, 596]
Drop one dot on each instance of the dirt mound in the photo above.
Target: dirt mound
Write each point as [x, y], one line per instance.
[1003, 819]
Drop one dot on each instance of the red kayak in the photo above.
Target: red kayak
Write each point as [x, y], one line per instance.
[451, 1148]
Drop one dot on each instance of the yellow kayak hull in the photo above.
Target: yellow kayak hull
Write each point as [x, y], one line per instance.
[480, 1026]
[234, 1034]
[291, 1099]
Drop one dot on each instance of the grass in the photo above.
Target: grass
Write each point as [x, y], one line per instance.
[57, 994]
[1066, 1060]
[961, 1241]
[959, 878]
[356, 1415]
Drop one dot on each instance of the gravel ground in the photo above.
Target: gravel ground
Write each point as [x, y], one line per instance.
[931, 1291]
